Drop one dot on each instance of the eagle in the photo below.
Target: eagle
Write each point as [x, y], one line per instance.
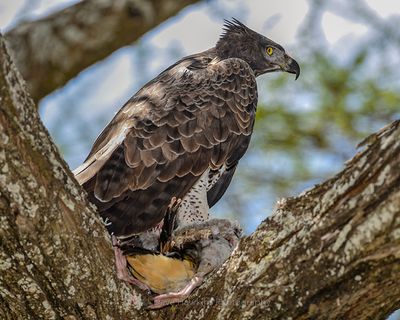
[181, 135]
[169, 155]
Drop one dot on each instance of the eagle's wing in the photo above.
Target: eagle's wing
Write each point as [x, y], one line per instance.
[194, 116]
[219, 188]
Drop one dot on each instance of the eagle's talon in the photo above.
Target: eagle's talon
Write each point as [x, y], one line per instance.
[122, 269]
[115, 242]
[168, 225]
[174, 204]
[165, 299]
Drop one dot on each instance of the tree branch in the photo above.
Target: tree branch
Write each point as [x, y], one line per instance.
[55, 259]
[331, 253]
[51, 51]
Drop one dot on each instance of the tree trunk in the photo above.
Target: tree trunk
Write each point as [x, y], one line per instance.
[51, 51]
[56, 259]
[331, 253]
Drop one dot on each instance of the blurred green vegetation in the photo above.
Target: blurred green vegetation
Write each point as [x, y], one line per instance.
[331, 107]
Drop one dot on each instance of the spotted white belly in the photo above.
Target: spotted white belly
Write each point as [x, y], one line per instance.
[194, 206]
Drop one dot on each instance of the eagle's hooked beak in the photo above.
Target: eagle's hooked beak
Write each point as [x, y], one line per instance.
[291, 66]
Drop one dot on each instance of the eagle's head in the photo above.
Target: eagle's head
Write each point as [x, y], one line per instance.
[262, 54]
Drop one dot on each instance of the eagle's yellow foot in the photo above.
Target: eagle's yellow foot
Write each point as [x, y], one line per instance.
[163, 300]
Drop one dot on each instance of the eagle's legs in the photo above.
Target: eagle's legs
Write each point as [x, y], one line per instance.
[168, 225]
[122, 268]
[163, 300]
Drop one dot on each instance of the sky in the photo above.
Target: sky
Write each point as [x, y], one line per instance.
[285, 26]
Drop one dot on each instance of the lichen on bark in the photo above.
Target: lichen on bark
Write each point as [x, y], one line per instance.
[56, 256]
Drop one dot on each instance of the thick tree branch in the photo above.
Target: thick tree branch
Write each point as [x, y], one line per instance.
[331, 253]
[51, 51]
[55, 260]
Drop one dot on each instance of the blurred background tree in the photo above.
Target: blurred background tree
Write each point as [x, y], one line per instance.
[349, 87]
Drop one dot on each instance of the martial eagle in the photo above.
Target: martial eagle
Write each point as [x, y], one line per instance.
[181, 135]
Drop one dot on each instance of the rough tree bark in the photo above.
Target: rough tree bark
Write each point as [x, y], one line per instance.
[55, 259]
[331, 253]
[51, 51]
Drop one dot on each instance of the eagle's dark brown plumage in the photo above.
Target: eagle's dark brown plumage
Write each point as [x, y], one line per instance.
[181, 135]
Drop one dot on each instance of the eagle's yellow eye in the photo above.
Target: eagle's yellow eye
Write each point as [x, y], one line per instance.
[270, 51]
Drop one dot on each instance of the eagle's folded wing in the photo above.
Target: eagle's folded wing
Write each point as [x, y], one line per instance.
[196, 115]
